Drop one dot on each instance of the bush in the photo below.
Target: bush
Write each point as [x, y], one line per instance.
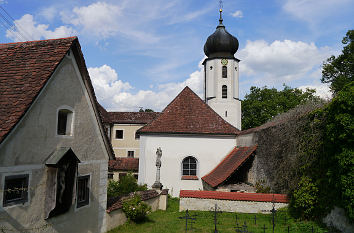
[261, 187]
[304, 199]
[125, 185]
[135, 209]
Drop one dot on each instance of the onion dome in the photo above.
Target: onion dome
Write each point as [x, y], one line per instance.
[221, 44]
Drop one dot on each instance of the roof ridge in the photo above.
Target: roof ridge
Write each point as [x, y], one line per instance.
[32, 41]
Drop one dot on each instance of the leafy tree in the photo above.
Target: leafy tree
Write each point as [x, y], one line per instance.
[338, 71]
[125, 185]
[146, 110]
[304, 198]
[264, 103]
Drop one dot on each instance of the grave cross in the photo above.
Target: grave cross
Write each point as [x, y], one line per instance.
[186, 217]
[264, 228]
[216, 211]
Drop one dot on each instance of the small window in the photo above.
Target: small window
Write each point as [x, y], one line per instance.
[189, 166]
[130, 154]
[224, 72]
[136, 176]
[224, 91]
[83, 191]
[64, 122]
[119, 134]
[110, 176]
[225, 113]
[15, 190]
[211, 67]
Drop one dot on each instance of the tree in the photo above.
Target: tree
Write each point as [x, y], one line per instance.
[146, 110]
[263, 103]
[339, 71]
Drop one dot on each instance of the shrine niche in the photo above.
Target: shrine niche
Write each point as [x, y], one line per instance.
[62, 173]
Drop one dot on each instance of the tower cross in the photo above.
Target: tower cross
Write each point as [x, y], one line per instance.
[220, 4]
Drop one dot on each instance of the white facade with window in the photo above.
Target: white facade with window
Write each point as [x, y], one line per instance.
[59, 142]
[222, 91]
[208, 150]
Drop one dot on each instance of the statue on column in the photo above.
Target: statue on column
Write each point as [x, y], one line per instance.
[157, 184]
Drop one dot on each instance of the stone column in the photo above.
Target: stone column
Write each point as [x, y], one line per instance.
[157, 185]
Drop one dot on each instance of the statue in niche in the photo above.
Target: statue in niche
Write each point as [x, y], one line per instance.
[157, 184]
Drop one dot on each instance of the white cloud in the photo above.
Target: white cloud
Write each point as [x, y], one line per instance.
[99, 18]
[322, 90]
[237, 14]
[106, 83]
[116, 95]
[28, 29]
[48, 13]
[313, 10]
[281, 61]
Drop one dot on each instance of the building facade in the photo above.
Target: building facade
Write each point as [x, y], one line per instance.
[53, 150]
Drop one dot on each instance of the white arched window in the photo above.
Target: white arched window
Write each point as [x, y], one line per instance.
[189, 166]
[64, 121]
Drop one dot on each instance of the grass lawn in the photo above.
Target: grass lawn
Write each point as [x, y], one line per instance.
[168, 221]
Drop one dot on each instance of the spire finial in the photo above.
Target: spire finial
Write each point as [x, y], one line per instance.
[221, 6]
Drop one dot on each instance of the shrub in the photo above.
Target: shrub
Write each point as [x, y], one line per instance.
[135, 209]
[125, 185]
[261, 187]
[304, 199]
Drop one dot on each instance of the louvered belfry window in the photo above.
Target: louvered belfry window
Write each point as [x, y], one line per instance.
[224, 72]
[224, 91]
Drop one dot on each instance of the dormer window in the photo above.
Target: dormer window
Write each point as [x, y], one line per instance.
[224, 72]
[64, 126]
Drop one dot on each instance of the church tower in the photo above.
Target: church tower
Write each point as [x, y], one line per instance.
[221, 72]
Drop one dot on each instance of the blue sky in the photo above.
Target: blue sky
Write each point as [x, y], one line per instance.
[142, 53]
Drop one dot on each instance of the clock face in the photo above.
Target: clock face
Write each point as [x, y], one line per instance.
[224, 62]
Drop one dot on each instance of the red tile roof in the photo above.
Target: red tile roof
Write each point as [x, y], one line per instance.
[124, 164]
[127, 117]
[25, 68]
[132, 117]
[262, 197]
[228, 165]
[188, 114]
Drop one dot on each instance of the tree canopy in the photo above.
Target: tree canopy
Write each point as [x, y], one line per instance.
[261, 104]
[339, 71]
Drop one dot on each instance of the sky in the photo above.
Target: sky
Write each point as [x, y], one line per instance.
[142, 53]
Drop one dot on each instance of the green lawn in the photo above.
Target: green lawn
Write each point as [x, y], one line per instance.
[168, 221]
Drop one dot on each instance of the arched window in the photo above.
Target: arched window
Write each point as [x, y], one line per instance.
[224, 72]
[64, 126]
[189, 166]
[224, 91]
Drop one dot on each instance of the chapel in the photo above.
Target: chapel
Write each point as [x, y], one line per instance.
[198, 138]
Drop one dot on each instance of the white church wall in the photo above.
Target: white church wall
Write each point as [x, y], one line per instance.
[208, 150]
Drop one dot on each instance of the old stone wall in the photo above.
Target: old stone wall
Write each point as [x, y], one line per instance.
[228, 205]
[116, 217]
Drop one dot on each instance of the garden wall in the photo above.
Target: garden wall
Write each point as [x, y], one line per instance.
[156, 199]
[231, 201]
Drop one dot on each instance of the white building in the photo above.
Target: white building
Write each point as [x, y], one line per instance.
[53, 149]
[198, 138]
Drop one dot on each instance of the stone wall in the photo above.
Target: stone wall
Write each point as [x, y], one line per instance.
[115, 216]
[228, 205]
[231, 201]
